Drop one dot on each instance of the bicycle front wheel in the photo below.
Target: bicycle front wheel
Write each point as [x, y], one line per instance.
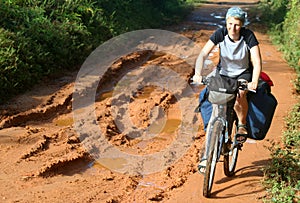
[231, 156]
[212, 157]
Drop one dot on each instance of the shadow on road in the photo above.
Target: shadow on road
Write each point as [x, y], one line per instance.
[255, 170]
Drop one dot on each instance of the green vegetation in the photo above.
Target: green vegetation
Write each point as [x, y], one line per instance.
[42, 38]
[282, 176]
[283, 19]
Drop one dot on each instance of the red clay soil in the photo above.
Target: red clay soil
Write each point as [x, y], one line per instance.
[42, 158]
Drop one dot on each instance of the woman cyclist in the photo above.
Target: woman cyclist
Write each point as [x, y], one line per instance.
[240, 58]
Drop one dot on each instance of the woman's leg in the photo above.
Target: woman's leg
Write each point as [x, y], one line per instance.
[241, 109]
[241, 104]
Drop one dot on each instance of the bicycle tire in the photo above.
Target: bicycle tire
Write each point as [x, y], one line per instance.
[231, 156]
[212, 157]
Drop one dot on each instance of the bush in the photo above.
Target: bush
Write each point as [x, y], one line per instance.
[35, 44]
[40, 38]
[291, 35]
[283, 19]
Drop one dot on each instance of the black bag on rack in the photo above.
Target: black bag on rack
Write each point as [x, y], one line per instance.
[222, 89]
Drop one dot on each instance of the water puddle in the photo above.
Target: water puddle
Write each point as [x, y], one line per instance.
[145, 92]
[105, 95]
[210, 18]
[171, 126]
[109, 163]
[218, 15]
[64, 122]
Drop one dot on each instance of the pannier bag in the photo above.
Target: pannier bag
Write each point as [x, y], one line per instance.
[261, 109]
[205, 107]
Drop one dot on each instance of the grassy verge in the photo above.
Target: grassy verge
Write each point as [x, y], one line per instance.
[282, 176]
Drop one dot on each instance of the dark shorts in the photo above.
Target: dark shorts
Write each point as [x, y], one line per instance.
[246, 75]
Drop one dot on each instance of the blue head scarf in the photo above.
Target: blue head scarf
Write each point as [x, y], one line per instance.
[236, 12]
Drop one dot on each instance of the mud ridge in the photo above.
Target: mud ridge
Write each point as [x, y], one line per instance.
[39, 146]
[120, 67]
[43, 113]
[61, 165]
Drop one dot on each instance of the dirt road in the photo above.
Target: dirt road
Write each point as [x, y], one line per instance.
[43, 160]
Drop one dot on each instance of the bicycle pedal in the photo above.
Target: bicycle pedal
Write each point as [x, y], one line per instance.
[228, 153]
[239, 146]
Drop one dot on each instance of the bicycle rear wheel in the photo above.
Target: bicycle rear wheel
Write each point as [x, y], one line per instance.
[212, 157]
[231, 155]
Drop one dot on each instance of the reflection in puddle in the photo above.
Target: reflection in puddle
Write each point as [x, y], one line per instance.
[164, 125]
[64, 122]
[217, 16]
[209, 24]
[142, 94]
[105, 95]
[110, 163]
[171, 126]
[146, 92]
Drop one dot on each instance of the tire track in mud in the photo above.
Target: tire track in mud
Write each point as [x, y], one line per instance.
[60, 102]
[63, 138]
[47, 146]
[39, 114]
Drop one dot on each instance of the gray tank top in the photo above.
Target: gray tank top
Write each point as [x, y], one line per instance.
[234, 56]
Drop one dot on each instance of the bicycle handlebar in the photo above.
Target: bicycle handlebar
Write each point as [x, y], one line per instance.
[242, 84]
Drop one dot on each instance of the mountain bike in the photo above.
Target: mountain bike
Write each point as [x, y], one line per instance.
[222, 141]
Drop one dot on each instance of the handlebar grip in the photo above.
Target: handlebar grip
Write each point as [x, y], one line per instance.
[243, 85]
[204, 80]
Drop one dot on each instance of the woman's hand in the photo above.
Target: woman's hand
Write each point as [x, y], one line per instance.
[197, 79]
[252, 85]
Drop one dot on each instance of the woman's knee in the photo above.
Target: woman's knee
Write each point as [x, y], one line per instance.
[241, 97]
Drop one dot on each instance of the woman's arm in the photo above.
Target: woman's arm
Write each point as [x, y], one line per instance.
[200, 60]
[257, 66]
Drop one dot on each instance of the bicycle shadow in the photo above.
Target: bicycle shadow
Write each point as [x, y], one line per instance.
[254, 170]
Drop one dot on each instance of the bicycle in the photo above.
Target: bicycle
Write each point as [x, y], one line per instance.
[221, 130]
